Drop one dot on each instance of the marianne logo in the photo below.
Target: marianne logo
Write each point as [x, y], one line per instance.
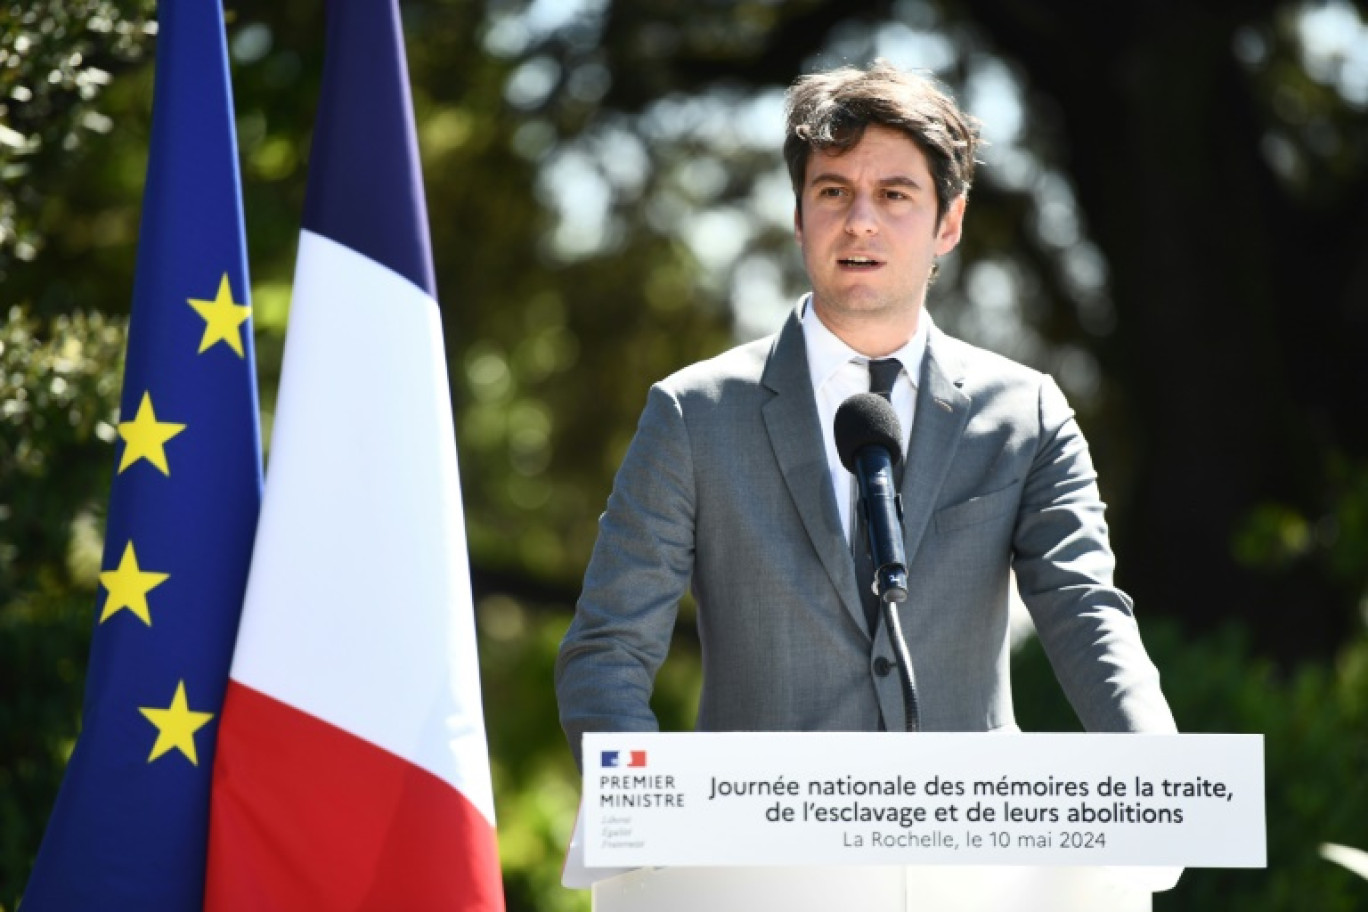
[614, 759]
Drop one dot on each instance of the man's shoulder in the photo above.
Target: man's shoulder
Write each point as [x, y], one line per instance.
[982, 368]
[732, 371]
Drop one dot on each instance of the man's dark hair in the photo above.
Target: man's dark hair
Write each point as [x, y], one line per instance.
[830, 111]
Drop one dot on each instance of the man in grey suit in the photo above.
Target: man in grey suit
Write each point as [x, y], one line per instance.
[732, 483]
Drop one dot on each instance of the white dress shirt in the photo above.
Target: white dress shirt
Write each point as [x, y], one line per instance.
[839, 372]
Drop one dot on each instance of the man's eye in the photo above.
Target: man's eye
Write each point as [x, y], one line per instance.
[830, 191]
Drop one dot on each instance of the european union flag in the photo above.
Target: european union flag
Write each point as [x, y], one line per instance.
[130, 826]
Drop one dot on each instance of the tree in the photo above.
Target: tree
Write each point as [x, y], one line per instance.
[1228, 185]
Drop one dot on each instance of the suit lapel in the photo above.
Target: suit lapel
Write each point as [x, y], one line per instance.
[796, 438]
[937, 427]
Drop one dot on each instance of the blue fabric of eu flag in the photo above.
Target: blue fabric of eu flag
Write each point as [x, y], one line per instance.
[130, 826]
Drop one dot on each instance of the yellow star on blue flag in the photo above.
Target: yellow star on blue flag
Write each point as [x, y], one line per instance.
[223, 319]
[176, 726]
[128, 585]
[145, 437]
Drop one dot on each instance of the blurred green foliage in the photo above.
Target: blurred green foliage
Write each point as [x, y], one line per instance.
[56, 59]
[1275, 536]
[59, 384]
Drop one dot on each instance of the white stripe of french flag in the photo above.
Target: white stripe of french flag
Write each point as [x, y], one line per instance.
[352, 769]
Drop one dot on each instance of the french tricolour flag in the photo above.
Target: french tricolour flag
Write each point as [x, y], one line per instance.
[622, 758]
[352, 768]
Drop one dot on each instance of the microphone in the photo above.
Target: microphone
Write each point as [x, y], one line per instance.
[868, 439]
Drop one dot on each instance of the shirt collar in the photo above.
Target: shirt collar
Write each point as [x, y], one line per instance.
[827, 354]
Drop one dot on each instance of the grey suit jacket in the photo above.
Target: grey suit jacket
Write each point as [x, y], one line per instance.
[725, 486]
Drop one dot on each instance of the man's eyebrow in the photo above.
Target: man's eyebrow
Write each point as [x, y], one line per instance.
[828, 177]
[897, 180]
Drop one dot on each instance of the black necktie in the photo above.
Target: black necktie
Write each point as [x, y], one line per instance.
[882, 375]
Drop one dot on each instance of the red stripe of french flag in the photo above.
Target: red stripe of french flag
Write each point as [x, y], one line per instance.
[317, 818]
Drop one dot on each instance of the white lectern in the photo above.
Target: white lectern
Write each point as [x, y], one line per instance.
[887, 822]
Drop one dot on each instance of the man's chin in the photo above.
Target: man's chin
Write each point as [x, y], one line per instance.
[864, 304]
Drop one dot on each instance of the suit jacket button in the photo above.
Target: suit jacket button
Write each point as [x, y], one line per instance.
[882, 667]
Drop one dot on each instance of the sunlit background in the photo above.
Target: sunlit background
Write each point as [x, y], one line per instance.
[1171, 217]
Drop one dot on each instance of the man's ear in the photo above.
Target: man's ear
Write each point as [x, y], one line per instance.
[798, 223]
[951, 225]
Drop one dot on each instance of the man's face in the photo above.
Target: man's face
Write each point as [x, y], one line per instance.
[867, 228]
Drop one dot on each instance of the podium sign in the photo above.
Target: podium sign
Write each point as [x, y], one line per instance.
[754, 799]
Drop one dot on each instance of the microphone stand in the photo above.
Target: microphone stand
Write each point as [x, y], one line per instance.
[888, 602]
[890, 585]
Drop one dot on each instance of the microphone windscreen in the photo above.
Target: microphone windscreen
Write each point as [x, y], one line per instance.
[864, 419]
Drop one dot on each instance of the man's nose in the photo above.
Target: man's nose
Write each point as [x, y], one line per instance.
[861, 219]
